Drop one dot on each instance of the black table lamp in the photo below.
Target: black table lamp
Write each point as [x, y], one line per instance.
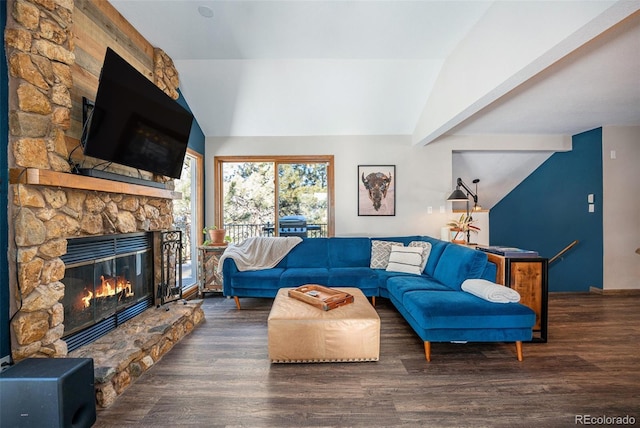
[459, 196]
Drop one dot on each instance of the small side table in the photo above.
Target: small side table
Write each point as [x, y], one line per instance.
[208, 260]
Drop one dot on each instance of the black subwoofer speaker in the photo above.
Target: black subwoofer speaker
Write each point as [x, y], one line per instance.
[48, 392]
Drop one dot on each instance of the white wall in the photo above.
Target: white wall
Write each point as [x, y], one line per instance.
[621, 205]
[423, 177]
[423, 174]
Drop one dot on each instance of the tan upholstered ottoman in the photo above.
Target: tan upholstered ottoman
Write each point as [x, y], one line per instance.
[301, 333]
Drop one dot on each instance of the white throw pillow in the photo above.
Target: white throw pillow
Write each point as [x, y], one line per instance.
[405, 259]
[380, 251]
[426, 250]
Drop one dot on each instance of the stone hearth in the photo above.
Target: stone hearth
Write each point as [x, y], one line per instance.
[121, 356]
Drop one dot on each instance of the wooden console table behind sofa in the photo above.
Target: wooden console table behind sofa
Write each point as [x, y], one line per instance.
[528, 276]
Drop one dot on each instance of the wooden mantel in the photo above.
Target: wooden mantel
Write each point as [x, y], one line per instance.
[46, 177]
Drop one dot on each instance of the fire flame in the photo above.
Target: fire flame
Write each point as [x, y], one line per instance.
[109, 286]
[86, 300]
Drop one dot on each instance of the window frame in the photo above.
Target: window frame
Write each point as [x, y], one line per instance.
[192, 289]
[218, 162]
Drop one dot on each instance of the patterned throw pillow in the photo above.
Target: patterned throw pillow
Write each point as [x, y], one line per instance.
[426, 246]
[380, 251]
[405, 259]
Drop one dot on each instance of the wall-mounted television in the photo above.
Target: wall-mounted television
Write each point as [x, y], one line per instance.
[134, 123]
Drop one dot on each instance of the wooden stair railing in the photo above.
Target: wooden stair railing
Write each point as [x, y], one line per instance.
[561, 253]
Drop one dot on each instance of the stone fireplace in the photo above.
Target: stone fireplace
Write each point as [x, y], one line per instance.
[54, 49]
[56, 270]
[50, 222]
[50, 208]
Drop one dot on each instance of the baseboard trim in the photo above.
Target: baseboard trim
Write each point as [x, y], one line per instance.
[615, 292]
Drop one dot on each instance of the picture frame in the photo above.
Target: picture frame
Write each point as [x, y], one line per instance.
[376, 190]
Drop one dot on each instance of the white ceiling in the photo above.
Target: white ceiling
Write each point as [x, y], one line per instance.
[305, 67]
[422, 68]
[595, 85]
[369, 67]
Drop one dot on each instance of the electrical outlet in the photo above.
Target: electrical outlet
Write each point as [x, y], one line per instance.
[590, 198]
[592, 208]
[613, 154]
[429, 210]
[5, 363]
[441, 209]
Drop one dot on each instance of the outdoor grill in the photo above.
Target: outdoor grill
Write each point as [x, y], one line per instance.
[293, 225]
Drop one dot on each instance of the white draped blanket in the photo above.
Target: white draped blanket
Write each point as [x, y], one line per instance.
[490, 291]
[259, 252]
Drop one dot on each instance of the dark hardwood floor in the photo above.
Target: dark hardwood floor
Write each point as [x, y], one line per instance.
[220, 376]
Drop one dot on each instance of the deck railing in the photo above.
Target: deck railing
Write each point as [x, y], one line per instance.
[238, 232]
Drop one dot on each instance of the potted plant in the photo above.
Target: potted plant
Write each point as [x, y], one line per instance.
[462, 227]
[216, 236]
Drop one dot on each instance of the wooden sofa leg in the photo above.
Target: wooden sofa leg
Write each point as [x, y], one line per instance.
[427, 350]
[519, 350]
[237, 300]
[373, 301]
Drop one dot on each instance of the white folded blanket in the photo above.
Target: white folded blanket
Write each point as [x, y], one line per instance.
[490, 291]
[259, 252]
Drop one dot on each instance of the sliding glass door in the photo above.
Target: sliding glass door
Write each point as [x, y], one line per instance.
[187, 215]
[279, 196]
[303, 199]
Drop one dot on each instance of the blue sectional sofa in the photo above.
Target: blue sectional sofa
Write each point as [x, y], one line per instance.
[433, 302]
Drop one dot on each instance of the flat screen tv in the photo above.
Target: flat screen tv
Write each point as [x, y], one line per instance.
[134, 123]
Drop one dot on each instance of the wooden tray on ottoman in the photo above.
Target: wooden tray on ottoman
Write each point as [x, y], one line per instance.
[321, 297]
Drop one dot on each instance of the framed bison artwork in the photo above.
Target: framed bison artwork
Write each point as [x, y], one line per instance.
[376, 190]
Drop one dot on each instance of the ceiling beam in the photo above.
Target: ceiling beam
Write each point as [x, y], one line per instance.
[469, 81]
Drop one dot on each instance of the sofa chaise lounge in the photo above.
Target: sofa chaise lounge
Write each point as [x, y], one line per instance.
[430, 299]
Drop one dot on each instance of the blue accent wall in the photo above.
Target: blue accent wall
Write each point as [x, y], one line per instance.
[196, 138]
[5, 345]
[549, 210]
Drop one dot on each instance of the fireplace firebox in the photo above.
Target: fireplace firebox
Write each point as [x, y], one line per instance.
[108, 280]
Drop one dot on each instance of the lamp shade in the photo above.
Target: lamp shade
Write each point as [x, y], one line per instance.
[458, 195]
